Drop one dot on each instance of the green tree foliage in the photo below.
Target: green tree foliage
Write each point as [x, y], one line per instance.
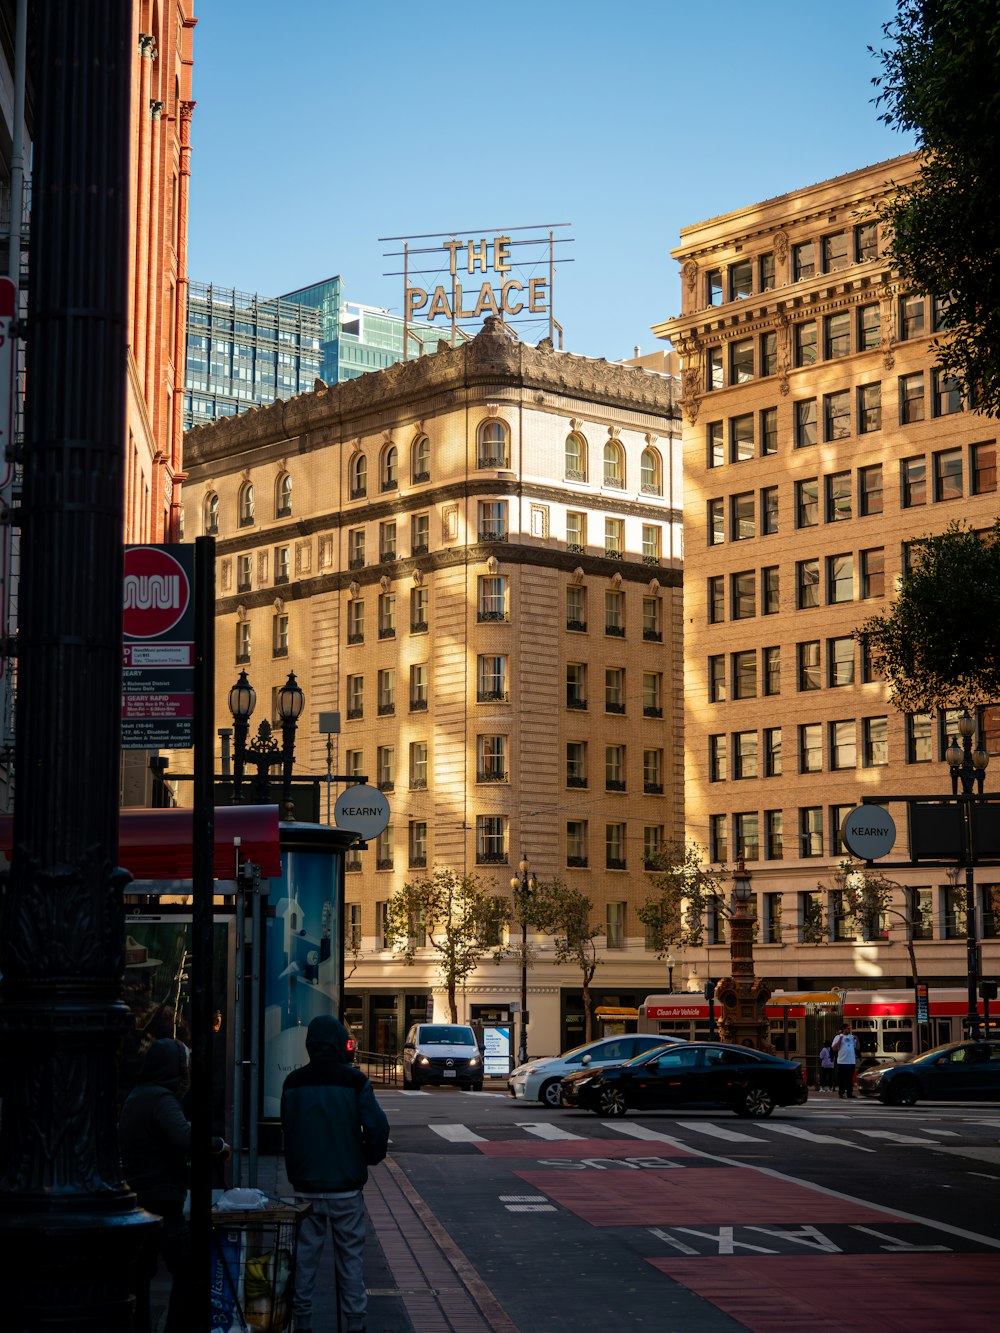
[941, 81]
[565, 914]
[870, 900]
[938, 646]
[682, 889]
[461, 920]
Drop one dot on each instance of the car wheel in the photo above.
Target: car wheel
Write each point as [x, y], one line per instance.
[756, 1104]
[476, 1087]
[611, 1102]
[407, 1081]
[551, 1093]
[903, 1092]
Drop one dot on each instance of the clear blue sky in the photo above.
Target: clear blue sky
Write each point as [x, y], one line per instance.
[322, 125]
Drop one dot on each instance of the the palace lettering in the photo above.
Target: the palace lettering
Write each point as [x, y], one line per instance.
[508, 296]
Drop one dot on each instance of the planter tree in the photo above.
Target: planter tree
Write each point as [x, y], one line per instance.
[565, 915]
[456, 916]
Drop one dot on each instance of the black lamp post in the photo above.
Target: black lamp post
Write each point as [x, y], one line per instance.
[742, 994]
[263, 751]
[968, 770]
[525, 887]
[671, 963]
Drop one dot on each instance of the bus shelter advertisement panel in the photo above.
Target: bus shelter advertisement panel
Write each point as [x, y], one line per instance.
[302, 964]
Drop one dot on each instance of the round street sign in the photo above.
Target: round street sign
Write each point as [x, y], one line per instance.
[869, 832]
[156, 592]
[362, 809]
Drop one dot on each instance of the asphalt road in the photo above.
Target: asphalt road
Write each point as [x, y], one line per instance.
[838, 1215]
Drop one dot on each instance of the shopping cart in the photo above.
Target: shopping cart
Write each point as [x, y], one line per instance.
[253, 1267]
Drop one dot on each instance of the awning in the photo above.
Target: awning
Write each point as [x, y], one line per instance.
[610, 1011]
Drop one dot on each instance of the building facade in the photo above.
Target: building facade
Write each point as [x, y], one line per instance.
[473, 557]
[819, 441]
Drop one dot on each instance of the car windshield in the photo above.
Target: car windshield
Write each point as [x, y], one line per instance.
[445, 1035]
[934, 1054]
[643, 1056]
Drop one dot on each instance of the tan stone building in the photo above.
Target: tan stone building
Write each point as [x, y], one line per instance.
[818, 441]
[475, 558]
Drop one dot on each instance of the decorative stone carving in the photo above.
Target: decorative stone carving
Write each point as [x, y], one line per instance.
[654, 587]
[493, 565]
[781, 247]
[319, 386]
[690, 274]
[577, 575]
[492, 410]
[418, 577]
[241, 614]
[616, 581]
[279, 605]
[385, 583]
[614, 432]
[354, 590]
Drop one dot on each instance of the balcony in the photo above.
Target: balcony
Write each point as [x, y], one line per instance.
[354, 713]
[575, 474]
[492, 697]
[651, 488]
[574, 701]
[356, 562]
[418, 784]
[615, 631]
[280, 578]
[614, 863]
[653, 788]
[387, 710]
[421, 476]
[652, 635]
[387, 557]
[489, 535]
[383, 863]
[359, 492]
[243, 657]
[613, 553]
[418, 705]
[614, 784]
[418, 862]
[493, 460]
[387, 631]
[418, 626]
[356, 637]
[484, 858]
[420, 548]
[611, 707]
[650, 559]
[576, 781]
[577, 862]
[576, 548]
[492, 617]
[491, 775]
[352, 863]
[386, 784]
[650, 710]
[614, 483]
[577, 626]
[389, 485]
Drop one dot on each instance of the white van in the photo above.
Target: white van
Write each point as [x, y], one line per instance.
[442, 1053]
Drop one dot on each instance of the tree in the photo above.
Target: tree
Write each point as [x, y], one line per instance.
[938, 645]
[868, 898]
[564, 914]
[941, 81]
[460, 919]
[683, 891]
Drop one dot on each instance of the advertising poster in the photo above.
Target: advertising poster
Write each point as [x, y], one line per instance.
[497, 1050]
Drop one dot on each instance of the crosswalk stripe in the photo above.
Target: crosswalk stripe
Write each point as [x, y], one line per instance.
[793, 1132]
[897, 1138]
[543, 1130]
[717, 1131]
[641, 1132]
[457, 1134]
[945, 1133]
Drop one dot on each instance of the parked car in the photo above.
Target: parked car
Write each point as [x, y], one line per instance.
[688, 1074]
[540, 1080]
[960, 1071]
[442, 1053]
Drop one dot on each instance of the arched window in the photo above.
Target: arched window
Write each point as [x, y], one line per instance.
[246, 504]
[651, 478]
[576, 457]
[614, 465]
[420, 459]
[359, 477]
[493, 444]
[390, 468]
[211, 514]
[283, 496]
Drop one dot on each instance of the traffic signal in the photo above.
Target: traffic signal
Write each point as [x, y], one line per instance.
[987, 990]
[710, 988]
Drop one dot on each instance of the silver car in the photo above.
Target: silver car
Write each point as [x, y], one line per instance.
[539, 1080]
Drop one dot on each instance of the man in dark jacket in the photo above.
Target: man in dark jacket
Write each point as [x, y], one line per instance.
[334, 1129]
[155, 1138]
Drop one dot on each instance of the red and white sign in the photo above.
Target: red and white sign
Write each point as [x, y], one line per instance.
[157, 592]
[158, 651]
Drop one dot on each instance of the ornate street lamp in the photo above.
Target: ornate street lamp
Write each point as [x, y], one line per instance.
[263, 751]
[524, 889]
[671, 963]
[968, 770]
[742, 995]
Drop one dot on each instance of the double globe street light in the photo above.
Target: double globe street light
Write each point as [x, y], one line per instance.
[968, 770]
[263, 751]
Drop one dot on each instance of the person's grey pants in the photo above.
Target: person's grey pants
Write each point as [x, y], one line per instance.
[346, 1217]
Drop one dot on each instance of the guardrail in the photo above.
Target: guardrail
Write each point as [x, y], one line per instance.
[380, 1068]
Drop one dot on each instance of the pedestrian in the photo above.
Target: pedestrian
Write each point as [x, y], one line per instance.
[826, 1068]
[155, 1140]
[334, 1129]
[845, 1053]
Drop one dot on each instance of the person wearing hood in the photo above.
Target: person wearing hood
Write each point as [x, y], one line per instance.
[155, 1139]
[334, 1129]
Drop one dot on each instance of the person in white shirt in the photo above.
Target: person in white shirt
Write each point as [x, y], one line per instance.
[845, 1053]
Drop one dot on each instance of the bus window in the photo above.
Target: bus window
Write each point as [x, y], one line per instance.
[897, 1036]
[866, 1033]
[778, 1038]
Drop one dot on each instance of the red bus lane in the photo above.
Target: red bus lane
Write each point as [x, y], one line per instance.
[775, 1253]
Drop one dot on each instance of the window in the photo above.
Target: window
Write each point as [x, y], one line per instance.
[279, 636]
[984, 468]
[713, 287]
[383, 855]
[417, 844]
[809, 665]
[803, 260]
[386, 692]
[493, 520]
[870, 489]
[839, 578]
[865, 242]
[651, 543]
[836, 251]
[614, 465]
[837, 335]
[491, 679]
[771, 663]
[244, 572]
[386, 767]
[355, 696]
[283, 496]
[576, 531]
[358, 477]
[948, 475]
[741, 361]
[911, 317]
[873, 572]
[811, 748]
[716, 523]
[807, 584]
[716, 758]
[741, 438]
[716, 599]
[576, 685]
[614, 768]
[742, 523]
[614, 846]
[805, 343]
[868, 672]
[491, 759]
[811, 830]
[717, 678]
[768, 354]
[420, 459]
[715, 378]
[246, 505]
[614, 614]
[837, 415]
[843, 929]
[841, 661]
[491, 840]
[769, 431]
[355, 548]
[576, 842]
[875, 742]
[492, 444]
[419, 687]
[869, 328]
[652, 845]
[211, 515]
[805, 423]
[746, 835]
[947, 395]
[419, 603]
[576, 764]
[744, 754]
[843, 744]
[769, 511]
[718, 839]
[913, 481]
[765, 271]
[389, 479]
[614, 537]
[418, 765]
[387, 615]
[651, 631]
[772, 752]
[740, 279]
[919, 744]
[745, 675]
[650, 473]
[807, 503]
[772, 901]
[615, 926]
[838, 497]
[576, 457]
[420, 534]
[387, 541]
[576, 607]
[869, 408]
[715, 444]
[243, 641]
[652, 694]
[743, 595]
[492, 598]
[911, 398]
[281, 564]
[614, 690]
[652, 772]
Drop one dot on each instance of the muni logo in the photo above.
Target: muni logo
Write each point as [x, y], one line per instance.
[156, 592]
[162, 593]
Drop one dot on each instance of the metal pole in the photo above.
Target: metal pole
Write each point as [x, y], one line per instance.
[17, 147]
[522, 1054]
[253, 1083]
[971, 949]
[239, 1044]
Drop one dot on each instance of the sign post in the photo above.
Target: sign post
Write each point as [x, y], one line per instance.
[158, 665]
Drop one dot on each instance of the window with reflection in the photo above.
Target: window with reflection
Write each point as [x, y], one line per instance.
[246, 505]
[212, 515]
[492, 444]
[576, 457]
[614, 465]
[283, 496]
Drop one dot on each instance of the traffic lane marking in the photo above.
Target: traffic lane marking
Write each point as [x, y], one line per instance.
[718, 1132]
[824, 1238]
[457, 1133]
[810, 1137]
[578, 1148]
[542, 1129]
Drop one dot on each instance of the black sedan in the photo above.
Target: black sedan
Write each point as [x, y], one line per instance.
[690, 1074]
[961, 1071]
